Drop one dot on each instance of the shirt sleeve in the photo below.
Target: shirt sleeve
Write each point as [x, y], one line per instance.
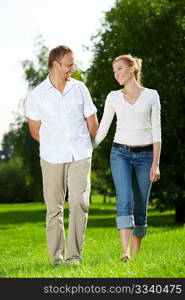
[32, 108]
[89, 107]
[108, 115]
[156, 119]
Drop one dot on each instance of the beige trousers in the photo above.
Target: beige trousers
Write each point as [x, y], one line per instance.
[56, 179]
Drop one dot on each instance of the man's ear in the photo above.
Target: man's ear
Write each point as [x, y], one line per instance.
[54, 63]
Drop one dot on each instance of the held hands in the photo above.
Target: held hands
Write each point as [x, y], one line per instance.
[154, 173]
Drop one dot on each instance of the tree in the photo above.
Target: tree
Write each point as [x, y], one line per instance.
[153, 30]
[13, 182]
[7, 147]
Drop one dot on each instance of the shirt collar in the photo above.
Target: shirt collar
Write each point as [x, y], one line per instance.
[69, 84]
[48, 83]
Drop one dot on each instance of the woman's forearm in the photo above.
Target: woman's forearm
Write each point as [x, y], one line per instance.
[156, 153]
[104, 126]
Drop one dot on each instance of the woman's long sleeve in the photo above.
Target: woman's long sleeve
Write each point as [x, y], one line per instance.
[156, 119]
[105, 123]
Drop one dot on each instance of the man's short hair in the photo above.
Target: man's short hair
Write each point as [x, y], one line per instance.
[57, 53]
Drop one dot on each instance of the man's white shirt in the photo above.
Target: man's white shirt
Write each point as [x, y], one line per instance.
[63, 133]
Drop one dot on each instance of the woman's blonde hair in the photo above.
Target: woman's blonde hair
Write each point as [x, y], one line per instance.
[132, 61]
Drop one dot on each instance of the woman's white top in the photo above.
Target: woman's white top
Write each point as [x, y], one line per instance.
[137, 124]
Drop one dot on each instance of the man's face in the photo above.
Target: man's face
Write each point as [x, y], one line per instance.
[65, 66]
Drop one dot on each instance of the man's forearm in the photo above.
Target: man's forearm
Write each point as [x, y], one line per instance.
[34, 128]
[36, 137]
[93, 132]
[92, 125]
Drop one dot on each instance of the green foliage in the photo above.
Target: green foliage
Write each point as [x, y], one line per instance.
[7, 146]
[28, 149]
[153, 31]
[78, 74]
[13, 185]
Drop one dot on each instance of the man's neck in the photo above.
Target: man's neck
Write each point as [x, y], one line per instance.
[58, 83]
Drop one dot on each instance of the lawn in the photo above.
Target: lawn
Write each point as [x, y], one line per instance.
[24, 252]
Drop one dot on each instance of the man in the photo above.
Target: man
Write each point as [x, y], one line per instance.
[62, 117]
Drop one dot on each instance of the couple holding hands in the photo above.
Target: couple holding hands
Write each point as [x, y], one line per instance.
[62, 118]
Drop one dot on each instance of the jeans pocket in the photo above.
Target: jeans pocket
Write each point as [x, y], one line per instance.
[148, 154]
[114, 154]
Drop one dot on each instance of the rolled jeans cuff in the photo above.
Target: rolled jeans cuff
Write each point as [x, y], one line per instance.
[139, 230]
[125, 222]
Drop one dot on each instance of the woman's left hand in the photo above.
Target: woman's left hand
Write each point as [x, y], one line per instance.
[154, 173]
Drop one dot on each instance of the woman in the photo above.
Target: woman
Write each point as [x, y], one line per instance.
[135, 151]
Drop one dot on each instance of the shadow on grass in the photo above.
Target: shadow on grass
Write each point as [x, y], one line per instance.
[97, 218]
[37, 216]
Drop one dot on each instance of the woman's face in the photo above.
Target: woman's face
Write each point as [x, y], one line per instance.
[122, 72]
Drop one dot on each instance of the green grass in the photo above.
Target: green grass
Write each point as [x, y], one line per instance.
[24, 252]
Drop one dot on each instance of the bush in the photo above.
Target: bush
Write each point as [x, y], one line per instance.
[13, 185]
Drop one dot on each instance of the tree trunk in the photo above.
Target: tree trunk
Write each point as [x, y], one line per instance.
[104, 197]
[180, 213]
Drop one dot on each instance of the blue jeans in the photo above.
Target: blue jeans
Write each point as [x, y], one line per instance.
[131, 176]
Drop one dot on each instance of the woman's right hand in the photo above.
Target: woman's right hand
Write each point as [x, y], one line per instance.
[154, 173]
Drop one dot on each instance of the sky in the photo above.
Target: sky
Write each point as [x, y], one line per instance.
[68, 22]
